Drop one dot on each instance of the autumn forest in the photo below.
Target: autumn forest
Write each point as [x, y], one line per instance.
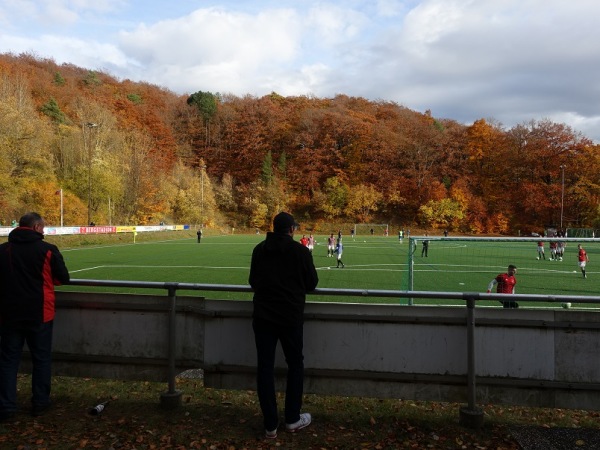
[124, 152]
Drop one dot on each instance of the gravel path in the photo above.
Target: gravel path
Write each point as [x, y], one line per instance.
[540, 438]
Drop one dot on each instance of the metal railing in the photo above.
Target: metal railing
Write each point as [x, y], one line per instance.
[470, 415]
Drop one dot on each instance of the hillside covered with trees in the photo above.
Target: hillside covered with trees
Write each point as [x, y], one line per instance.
[133, 153]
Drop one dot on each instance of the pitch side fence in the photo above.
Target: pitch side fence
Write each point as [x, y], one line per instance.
[470, 354]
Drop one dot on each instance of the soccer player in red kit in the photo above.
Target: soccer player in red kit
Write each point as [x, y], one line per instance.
[553, 251]
[540, 250]
[304, 240]
[583, 259]
[506, 285]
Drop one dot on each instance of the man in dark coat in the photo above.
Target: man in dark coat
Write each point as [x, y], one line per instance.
[281, 273]
[29, 270]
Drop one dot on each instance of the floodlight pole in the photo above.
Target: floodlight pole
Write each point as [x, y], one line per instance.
[562, 196]
[202, 169]
[86, 142]
[61, 208]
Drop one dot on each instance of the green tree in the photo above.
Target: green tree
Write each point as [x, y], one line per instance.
[59, 79]
[192, 199]
[272, 196]
[267, 169]
[445, 213]
[363, 201]
[52, 110]
[100, 148]
[25, 139]
[282, 165]
[206, 104]
[259, 215]
[136, 99]
[91, 79]
[225, 195]
[334, 198]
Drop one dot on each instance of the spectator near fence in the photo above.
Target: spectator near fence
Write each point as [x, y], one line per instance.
[29, 270]
[281, 273]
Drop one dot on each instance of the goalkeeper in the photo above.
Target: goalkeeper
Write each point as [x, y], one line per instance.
[505, 285]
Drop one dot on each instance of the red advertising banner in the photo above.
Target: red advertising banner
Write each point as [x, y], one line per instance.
[97, 230]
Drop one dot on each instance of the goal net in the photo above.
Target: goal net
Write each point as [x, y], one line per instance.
[374, 229]
[582, 232]
[455, 264]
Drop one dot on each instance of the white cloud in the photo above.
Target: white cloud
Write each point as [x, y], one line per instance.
[66, 50]
[231, 52]
[334, 25]
[467, 59]
[391, 8]
[429, 23]
[209, 36]
[308, 80]
[587, 125]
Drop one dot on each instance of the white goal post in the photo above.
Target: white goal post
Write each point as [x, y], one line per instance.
[378, 229]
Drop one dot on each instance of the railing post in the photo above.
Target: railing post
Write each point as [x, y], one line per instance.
[471, 416]
[412, 245]
[171, 398]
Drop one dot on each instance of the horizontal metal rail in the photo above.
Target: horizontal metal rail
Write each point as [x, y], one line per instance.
[382, 293]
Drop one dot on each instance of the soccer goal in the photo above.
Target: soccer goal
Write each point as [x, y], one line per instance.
[374, 229]
[582, 232]
[469, 264]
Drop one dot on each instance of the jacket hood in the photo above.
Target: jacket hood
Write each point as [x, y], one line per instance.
[23, 235]
[278, 242]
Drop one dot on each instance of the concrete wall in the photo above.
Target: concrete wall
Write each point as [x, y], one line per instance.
[123, 336]
[527, 357]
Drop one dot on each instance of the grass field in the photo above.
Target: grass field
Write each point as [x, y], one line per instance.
[371, 262]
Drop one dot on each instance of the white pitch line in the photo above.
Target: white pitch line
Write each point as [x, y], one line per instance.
[87, 268]
[110, 266]
[352, 268]
[374, 265]
[172, 241]
[78, 249]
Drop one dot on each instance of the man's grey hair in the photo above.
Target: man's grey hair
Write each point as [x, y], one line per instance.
[30, 220]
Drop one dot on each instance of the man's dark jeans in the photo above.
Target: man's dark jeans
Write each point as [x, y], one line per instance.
[39, 342]
[266, 335]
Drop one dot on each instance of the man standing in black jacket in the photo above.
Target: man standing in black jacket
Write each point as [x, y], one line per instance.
[29, 270]
[281, 273]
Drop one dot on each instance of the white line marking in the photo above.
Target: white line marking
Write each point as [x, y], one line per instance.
[169, 267]
[88, 268]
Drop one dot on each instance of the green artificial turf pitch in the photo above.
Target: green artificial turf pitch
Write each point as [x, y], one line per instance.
[371, 263]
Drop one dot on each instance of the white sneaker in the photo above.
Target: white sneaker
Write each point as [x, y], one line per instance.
[304, 421]
[271, 434]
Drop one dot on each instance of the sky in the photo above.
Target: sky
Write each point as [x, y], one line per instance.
[509, 61]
